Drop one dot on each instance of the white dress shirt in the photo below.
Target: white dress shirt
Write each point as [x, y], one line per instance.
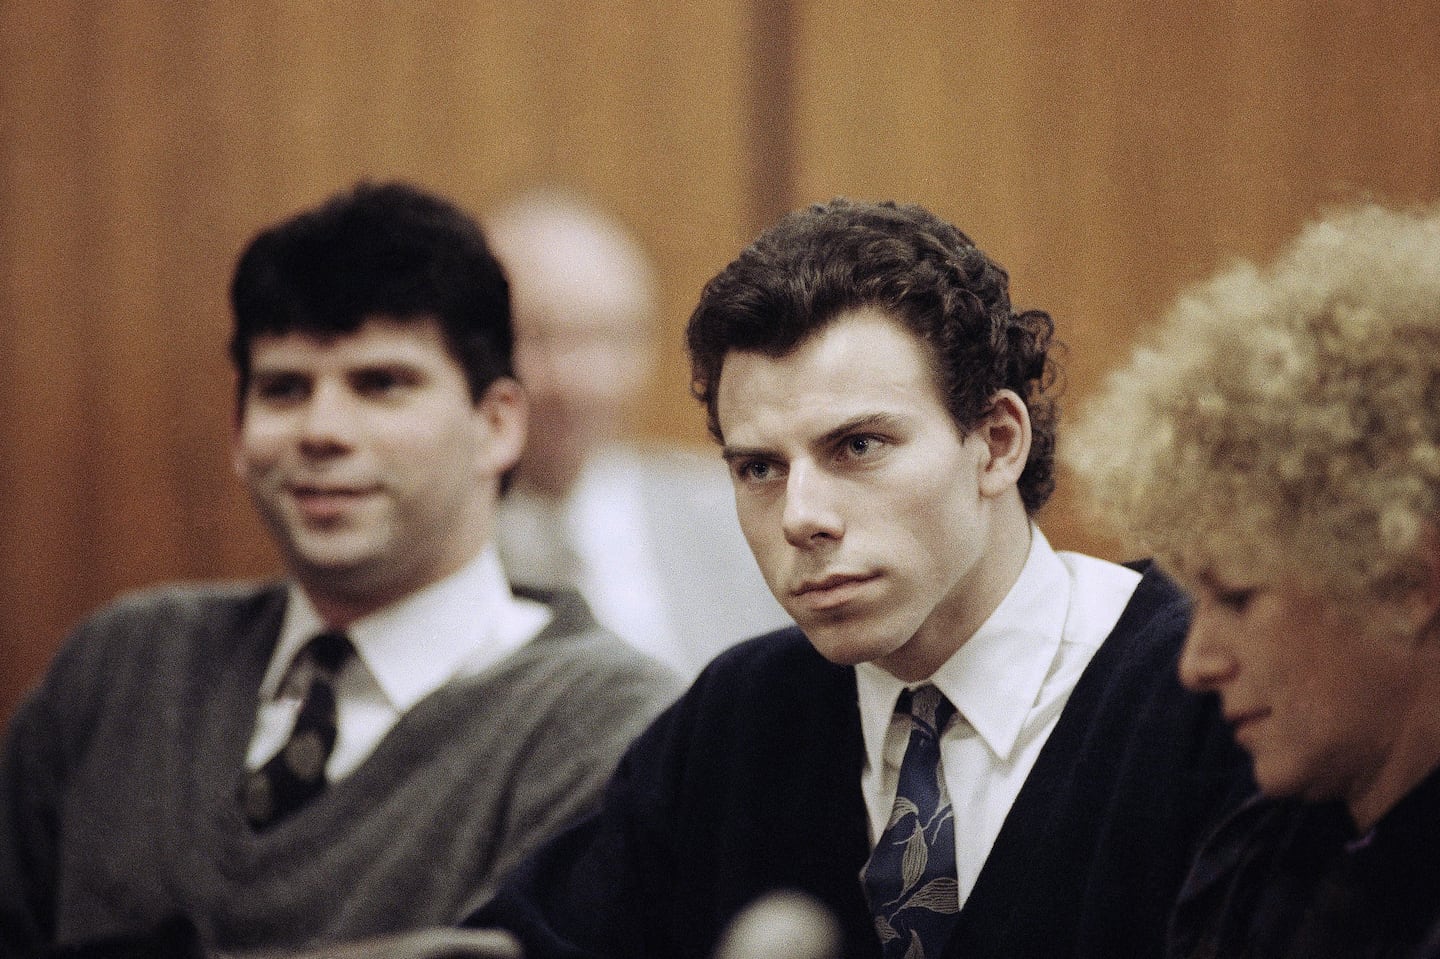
[606, 518]
[456, 627]
[1009, 683]
[597, 539]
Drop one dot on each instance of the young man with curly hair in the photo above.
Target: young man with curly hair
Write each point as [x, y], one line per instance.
[1278, 447]
[972, 745]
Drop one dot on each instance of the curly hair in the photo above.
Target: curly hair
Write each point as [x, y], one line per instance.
[1284, 422]
[833, 258]
[378, 249]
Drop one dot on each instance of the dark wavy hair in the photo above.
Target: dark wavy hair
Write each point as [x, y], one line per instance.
[843, 255]
[387, 249]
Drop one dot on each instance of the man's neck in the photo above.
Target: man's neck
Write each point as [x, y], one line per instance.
[972, 602]
[342, 604]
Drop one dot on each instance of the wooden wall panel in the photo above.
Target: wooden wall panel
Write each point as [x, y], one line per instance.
[145, 142]
[1109, 153]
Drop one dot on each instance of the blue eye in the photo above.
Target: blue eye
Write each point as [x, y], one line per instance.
[860, 446]
[755, 470]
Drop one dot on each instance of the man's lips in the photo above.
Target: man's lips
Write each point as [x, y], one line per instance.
[320, 502]
[834, 590]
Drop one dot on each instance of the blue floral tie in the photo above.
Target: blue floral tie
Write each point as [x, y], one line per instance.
[910, 879]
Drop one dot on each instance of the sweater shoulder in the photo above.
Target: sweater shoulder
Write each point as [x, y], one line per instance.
[178, 604]
[140, 653]
[776, 680]
[777, 658]
[1131, 691]
[143, 629]
[1154, 622]
[575, 638]
[580, 673]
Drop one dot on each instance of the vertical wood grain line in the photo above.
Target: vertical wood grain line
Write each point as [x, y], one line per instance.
[772, 111]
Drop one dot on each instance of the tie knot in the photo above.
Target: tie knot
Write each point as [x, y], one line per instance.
[927, 706]
[329, 650]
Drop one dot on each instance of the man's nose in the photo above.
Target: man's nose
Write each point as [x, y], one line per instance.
[812, 514]
[1206, 662]
[328, 420]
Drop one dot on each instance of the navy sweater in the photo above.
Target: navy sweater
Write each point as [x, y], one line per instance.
[751, 783]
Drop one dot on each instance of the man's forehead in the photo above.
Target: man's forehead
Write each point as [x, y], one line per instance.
[374, 340]
[864, 357]
[768, 419]
[764, 422]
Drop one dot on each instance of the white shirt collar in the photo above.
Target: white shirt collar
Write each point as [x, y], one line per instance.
[994, 679]
[462, 624]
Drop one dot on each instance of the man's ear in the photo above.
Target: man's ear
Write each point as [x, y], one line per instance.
[1006, 432]
[237, 433]
[501, 420]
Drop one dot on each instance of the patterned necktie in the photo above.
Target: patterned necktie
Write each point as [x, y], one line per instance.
[296, 774]
[910, 880]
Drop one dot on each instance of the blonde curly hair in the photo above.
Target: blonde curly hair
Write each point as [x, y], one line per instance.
[1282, 424]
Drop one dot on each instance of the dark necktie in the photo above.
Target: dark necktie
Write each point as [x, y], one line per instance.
[296, 774]
[910, 880]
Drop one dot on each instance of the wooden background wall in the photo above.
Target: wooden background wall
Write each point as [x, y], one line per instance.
[1107, 152]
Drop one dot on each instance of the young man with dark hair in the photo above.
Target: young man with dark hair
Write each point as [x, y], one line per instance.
[365, 747]
[972, 745]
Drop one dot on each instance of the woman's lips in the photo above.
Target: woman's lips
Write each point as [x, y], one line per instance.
[1242, 722]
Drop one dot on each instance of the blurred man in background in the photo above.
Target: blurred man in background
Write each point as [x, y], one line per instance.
[648, 536]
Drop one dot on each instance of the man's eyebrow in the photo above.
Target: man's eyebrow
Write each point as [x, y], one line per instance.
[732, 453]
[277, 369]
[381, 365]
[884, 422]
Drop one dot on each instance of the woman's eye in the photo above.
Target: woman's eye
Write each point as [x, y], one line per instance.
[1235, 600]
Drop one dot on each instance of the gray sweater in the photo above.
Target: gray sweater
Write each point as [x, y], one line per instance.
[120, 776]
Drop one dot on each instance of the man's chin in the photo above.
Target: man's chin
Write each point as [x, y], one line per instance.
[847, 645]
[340, 572]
